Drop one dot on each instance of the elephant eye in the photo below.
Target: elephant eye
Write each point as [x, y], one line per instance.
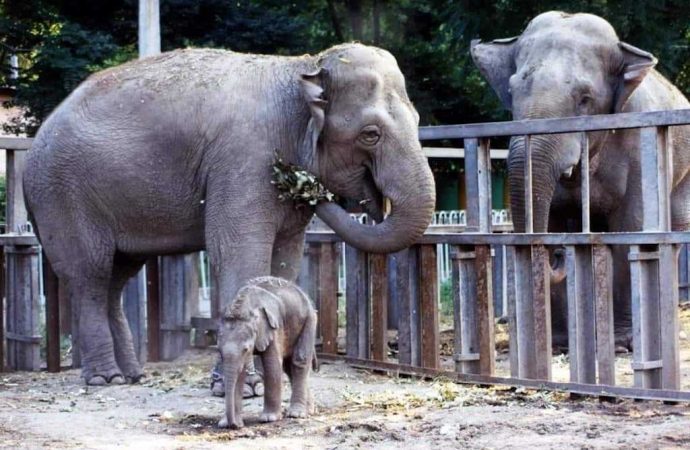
[586, 101]
[369, 135]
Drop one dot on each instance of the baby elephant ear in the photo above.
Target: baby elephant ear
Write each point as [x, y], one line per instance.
[636, 65]
[266, 327]
[312, 85]
[270, 317]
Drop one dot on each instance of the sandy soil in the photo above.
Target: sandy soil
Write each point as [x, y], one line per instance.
[173, 409]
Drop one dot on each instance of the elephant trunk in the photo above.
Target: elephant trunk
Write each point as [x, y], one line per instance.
[234, 380]
[409, 185]
[544, 178]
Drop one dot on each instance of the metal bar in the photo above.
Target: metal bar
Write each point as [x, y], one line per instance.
[428, 307]
[555, 126]
[529, 220]
[52, 312]
[485, 311]
[584, 181]
[153, 310]
[603, 298]
[328, 295]
[379, 307]
[574, 388]
[472, 185]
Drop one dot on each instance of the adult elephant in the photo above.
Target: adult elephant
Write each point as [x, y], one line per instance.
[174, 153]
[570, 65]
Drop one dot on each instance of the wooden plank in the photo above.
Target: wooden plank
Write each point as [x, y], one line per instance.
[379, 307]
[153, 309]
[2, 312]
[541, 296]
[475, 379]
[408, 351]
[357, 303]
[177, 276]
[485, 311]
[581, 319]
[51, 288]
[328, 297]
[668, 317]
[459, 238]
[511, 310]
[430, 339]
[645, 314]
[484, 189]
[23, 303]
[134, 304]
[649, 172]
[603, 299]
[472, 184]
[527, 182]
[555, 126]
[457, 305]
[469, 323]
[584, 181]
[15, 216]
[498, 278]
[524, 314]
[15, 143]
[664, 176]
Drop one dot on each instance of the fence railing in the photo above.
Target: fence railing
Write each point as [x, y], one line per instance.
[409, 278]
[407, 281]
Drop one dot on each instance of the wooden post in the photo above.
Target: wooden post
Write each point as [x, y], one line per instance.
[23, 300]
[153, 309]
[541, 296]
[603, 297]
[466, 355]
[51, 288]
[485, 310]
[408, 314]
[379, 309]
[428, 290]
[134, 302]
[179, 283]
[149, 28]
[328, 297]
[581, 317]
[2, 311]
[357, 303]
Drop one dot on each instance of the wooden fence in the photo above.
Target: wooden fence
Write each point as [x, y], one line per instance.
[407, 281]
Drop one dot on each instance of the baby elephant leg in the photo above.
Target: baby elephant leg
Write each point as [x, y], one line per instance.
[272, 384]
[301, 402]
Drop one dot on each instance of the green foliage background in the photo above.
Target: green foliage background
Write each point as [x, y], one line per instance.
[62, 41]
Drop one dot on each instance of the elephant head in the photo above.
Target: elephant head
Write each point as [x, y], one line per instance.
[562, 65]
[249, 323]
[362, 141]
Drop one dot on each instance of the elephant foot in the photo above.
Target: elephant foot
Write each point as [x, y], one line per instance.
[623, 340]
[132, 371]
[102, 380]
[269, 417]
[297, 411]
[223, 423]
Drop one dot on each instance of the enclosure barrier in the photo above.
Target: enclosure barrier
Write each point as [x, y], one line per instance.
[407, 280]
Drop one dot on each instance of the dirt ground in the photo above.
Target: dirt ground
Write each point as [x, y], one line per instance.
[173, 409]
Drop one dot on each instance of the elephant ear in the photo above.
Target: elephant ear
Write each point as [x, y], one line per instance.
[636, 65]
[312, 85]
[496, 62]
[265, 332]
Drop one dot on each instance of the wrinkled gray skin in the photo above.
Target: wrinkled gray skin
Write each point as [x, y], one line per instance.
[173, 154]
[569, 65]
[274, 318]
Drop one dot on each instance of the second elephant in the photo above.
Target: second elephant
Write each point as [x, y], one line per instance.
[566, 65]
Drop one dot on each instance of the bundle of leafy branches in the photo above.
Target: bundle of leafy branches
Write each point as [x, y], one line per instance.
[298, 185]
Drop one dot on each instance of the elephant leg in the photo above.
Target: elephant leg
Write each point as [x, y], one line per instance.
[124, 268]
[300, 367]
[288, 250]
[273, 386]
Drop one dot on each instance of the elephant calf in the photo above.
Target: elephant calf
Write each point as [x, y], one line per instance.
[274, 318]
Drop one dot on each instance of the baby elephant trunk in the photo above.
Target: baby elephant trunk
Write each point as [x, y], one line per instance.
[234, 381]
